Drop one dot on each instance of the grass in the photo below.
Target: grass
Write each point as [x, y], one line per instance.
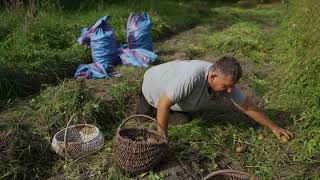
[27, 131]
[205, 144]
[48, 36]
[24, 152]
[297, 77]
[227, 16]
[295, 89]
[260, 86]
[214, 145]
[242, 40]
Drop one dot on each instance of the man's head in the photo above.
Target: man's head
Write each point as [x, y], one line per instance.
[224, 74]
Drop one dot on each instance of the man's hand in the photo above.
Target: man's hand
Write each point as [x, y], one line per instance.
[278, 131]
[163, 113]
[253, 112]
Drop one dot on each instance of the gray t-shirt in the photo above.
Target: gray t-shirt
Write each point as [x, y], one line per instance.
[185, 83]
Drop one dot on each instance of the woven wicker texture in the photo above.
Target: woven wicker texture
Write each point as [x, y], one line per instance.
[230, 174]
[137, 150]
[78, 141]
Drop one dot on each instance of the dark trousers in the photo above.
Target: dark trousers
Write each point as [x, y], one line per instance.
[176, 117]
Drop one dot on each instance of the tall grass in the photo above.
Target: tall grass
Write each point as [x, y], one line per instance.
[297, 78]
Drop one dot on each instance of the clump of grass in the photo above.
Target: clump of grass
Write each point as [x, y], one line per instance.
[57, 104]
[25, 152]
[243, 39]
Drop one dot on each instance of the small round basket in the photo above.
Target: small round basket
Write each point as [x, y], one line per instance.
[77, 141]
[136, 150]
[230, 174]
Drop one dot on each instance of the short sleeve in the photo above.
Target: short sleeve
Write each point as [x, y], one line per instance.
[180, 87]
[237, 96]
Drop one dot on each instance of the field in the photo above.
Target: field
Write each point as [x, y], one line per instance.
[276, 42]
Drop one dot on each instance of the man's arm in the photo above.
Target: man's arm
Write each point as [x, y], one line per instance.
[163, 111]
[253, 112]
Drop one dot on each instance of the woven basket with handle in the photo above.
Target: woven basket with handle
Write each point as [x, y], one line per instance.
[230, 174]
[132, 150]
[77, 141]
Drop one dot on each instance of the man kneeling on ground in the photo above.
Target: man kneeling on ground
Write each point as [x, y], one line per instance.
[188, 86]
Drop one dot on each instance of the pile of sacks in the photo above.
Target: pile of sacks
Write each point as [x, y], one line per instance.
[101, 39]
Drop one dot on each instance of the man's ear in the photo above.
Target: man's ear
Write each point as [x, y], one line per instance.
[213, 76]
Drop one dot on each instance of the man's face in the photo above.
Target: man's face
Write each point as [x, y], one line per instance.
[220, 83]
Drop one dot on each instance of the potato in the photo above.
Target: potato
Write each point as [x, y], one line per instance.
[260, 136]
[283, 139]
[240, 148]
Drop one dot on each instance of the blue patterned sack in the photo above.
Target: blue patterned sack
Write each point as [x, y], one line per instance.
[139, 32]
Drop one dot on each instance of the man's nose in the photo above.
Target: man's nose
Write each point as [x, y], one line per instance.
[229, 90]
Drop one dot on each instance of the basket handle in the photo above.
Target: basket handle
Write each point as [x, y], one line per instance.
[66, 132]
[209, 176]
[141, 115]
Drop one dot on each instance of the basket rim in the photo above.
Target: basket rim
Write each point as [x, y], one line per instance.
[141, 115]
[140, 142]
[230, 171]
[61, 131]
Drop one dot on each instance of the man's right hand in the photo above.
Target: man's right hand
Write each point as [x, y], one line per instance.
[280, 132]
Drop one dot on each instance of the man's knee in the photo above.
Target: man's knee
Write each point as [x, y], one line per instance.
[179, 117]
[144, 107]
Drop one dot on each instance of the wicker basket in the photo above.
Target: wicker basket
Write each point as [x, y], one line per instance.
[77, 141]
[230, 174]
[136, 156]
